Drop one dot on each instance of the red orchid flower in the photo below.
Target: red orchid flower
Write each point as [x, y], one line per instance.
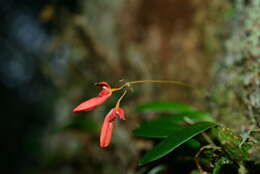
[93, 103]
[107, 127]
[105, 93]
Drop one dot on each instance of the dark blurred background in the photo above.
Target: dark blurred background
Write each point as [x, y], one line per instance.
[53, 51]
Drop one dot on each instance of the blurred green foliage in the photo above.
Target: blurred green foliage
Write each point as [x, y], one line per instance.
[164, 106]
[220, 151]
[171, 127]
[174, 140]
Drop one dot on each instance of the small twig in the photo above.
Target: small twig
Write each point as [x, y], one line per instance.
[208, 139]
[198, 154]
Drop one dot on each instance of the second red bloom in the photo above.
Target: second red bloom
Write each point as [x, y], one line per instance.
[107, 127]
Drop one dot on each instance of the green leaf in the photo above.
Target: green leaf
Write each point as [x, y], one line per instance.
[163, 106]
[174, 140]
[193, 143]
[149, 130]
[184, 116]
[156, 130]
[166, 125]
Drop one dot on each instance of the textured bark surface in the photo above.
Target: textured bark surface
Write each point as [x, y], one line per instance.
[235, 91]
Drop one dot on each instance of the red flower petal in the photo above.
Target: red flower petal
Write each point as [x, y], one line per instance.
[120, 112]
[107, 127]
[106, 130]
[92, 103]
[103, 84]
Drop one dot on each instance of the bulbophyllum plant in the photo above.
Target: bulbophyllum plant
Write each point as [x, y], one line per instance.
[117, 111]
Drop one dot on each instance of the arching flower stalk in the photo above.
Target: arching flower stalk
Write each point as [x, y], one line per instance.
[105, 93]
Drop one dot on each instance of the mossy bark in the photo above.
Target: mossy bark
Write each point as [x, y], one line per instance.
[235, 91]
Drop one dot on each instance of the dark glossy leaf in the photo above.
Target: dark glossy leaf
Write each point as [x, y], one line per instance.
[184, 117]
[166, 125]
[163, 106]
[156, 130]
[174, 140]
[193, 143]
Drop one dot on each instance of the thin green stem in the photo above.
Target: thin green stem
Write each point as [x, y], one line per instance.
[159, 81]
[119, 100]
[128, 84]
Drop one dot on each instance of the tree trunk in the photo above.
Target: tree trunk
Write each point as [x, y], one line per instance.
[235, 92]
